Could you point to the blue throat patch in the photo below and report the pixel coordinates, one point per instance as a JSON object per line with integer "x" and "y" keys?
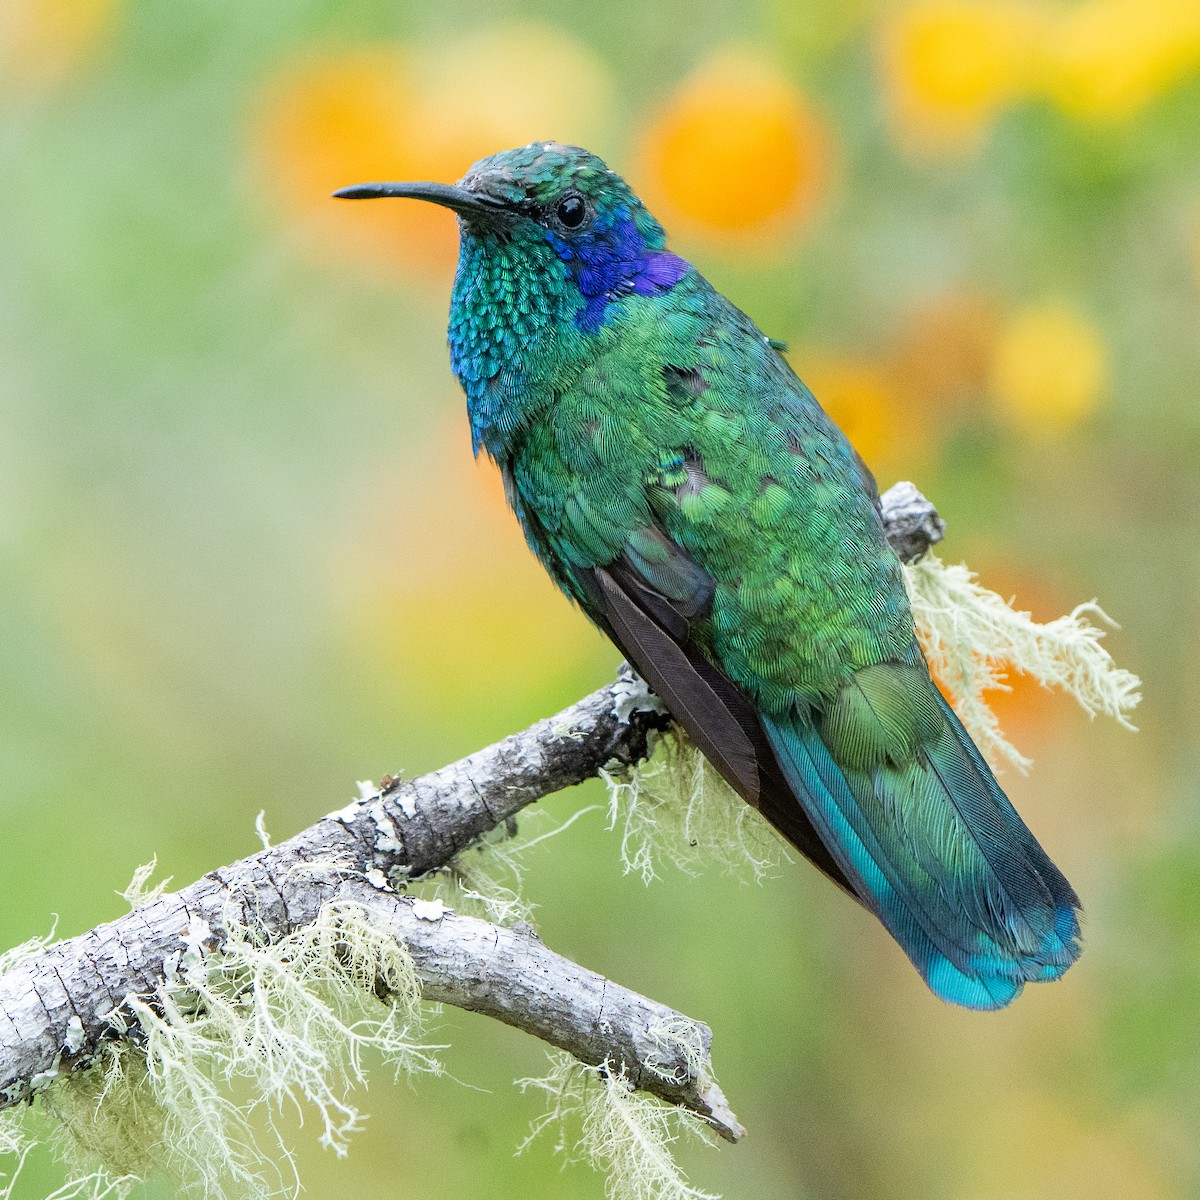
{"x": 613, "y": 260}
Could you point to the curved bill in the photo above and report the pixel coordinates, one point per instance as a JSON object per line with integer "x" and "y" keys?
{"x": 446, "y": 194}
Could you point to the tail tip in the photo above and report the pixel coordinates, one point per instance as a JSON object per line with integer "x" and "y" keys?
{"x": 983, "y": 992}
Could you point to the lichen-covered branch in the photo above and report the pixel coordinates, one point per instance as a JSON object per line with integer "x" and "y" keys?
{"x": 505, "y": 972}
{"x": 63, "y": 1003}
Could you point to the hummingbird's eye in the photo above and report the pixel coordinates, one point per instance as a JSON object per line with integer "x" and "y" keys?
{"x": 571, "y": 211}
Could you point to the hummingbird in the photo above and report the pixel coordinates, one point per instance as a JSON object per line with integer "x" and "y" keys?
{"x": 682, "y": 485}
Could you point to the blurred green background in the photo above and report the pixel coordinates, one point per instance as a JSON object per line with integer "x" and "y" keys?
{"x": 246, "y": 557}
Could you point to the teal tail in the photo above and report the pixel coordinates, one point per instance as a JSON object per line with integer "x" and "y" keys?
{"x": 912, "y": 815}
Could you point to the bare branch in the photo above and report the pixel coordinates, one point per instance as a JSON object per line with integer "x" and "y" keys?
{"x": 912, "y": 523}
{"x": 57, "y": 1008}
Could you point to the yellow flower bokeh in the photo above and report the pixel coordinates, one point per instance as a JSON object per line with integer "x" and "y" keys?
{"x": 951, "y": 66}
{"x": 419, "y": 112}
{"x": 1042, "y": 370}
{"x": 735, "y": 153}
{"x": 1050, "y": 369}
{"x": 1109, "y": 58}
{"x": 42, "y": 41}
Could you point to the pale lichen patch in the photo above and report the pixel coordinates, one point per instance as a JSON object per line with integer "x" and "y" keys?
{"x": 385, "y": 832}
{"x": 972, "y": 638}
{"x": 429, "y": 910}
{"x": 631, "y": 694}
{"x": 597, "y": 1116}
{"x": 347, "y": 815}
{"x": 75, "y": 1035}
{"x": 293, "y": 1021}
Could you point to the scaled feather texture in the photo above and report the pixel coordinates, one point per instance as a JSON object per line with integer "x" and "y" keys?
{"x": 674, "y": 808}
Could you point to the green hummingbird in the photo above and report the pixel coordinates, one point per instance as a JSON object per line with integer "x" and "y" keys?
{"x": 683, "y": 486}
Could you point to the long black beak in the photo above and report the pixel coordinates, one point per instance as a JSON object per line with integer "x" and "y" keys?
{"x": 446, "y": 194}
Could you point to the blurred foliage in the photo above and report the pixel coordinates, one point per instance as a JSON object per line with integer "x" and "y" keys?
{"x": 246, "y": 559}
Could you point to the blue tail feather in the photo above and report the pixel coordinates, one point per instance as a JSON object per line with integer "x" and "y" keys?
{"x": 936, "y": 850}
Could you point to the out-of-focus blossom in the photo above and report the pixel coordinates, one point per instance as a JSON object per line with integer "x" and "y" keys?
{"x": 419, "y": 112}
{"x": 951, "y": 66}
{"x": 1028, "y": 712}
{"x": 42, "y": 41}
{"x": 341, "y": 119}
{"x": 1050, "y": 369}
{"x": 736, "y": 153}
{"x": 941, "y": 355}
{"x": 897, "y": 407}
{"x": 511, "y": 85}
{"x": 860, "y": 397}
{"x": 1109, "y": 58}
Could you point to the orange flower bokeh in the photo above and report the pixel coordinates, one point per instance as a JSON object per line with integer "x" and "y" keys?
{"x": 897, "y": 406}
{"x": 859, "y": 396}
{"x": 736, "y": 153}
{"x": 941, "y": 354}
{"x": 418, "y": 112}
{"x": 1029, "y": 713}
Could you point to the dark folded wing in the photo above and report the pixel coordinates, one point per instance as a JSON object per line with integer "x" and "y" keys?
{"x": 646, "y": 600}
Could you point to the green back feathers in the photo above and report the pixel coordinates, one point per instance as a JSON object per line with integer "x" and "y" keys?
{"x": 883, "y": 716}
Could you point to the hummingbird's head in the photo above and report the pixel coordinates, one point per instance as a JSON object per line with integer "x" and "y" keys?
{"x": 553, "y": 210}
{"x": 567, "y": 192}
{"x": 555, "y": 250}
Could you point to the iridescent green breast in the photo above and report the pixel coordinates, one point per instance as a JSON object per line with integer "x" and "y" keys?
{"x": 696, "y": 425}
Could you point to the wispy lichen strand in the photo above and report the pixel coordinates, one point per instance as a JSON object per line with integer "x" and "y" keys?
{"x": 973, "y": 638}
{"x": 674, "y": 807}
{"x": 596, "y": 1116}
{"x": 240, "y": 1033}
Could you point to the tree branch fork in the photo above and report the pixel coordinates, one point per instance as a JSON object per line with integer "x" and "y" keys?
{"x": 60, "y": 1007}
